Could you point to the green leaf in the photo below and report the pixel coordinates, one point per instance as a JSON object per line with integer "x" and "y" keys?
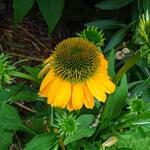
{"x": 42, "y": 142}
{"x": 146, "y": 6}
{"x": 106, "y": 24}
{"x": 130, "y": 62}
{"x": 6, "y": 139}
{"x": 113, "y": 4}
{"x": 24, "y": 76}
{"x": 132, "y": 140}
{"x": 21, "y": 8}
{"x": 111, "y": 64}
{"x": 9, "y": 118}
{"x": 142, "y": 90}
{"x": 33, "y": 71}
{"x": 7, "y": 94}
{"x": 115, "y": 103}
{"x": 75, "y": 145}
{"x": 84, "y": 129}
{"x": 89, "y": 146}
{"x": 37, "y": 124}
{"x": 26, "y": 95}
{"x": 116, "y": 39}
{"x": 51, "y": 11}
{"x": 142, "y": 119}
{"x": 19, "y": 92}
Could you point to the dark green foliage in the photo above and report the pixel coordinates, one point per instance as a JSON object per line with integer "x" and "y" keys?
{"x": 51, "y": 10}
{"x": 27, "y": 121}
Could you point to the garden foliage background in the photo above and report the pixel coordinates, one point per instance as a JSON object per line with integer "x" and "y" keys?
{"x": 29, "y": 31}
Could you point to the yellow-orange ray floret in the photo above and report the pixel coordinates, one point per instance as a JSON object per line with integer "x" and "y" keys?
{"x": 89, "y": 98}
{"x": 77, "y": 95}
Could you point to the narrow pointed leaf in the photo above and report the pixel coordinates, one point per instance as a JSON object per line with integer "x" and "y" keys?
{"x": 51, "y": 11}
{"x": 113, "y": 4}
{"x": 116, "y": 39}
{"x": 21, "y": 8}
{"x": 106, "y": 24}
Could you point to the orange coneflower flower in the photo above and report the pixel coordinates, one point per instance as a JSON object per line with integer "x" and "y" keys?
{"x": 77, "y": 73}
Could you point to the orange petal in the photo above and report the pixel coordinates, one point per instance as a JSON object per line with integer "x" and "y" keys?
{"x": 106, "y": 83}
{"x": 89, "y": 98}
{"x": 53, "y": 87}
{"x": 77, "y": 95}
{"x": 103, "y": 62}
{"x": 63, "y": 94}
{"x": 48, "y": 78}
{"x": 69, "y": 105}
{"x": 96, "y": 90}
{"x": 46, "y": 83}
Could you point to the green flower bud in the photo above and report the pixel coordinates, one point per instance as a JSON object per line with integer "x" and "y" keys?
{"x": 94, "y": 35}
{"x": 66, "y": 124}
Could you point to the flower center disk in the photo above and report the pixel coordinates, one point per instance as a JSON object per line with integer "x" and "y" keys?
{"x": 75, "y": 60}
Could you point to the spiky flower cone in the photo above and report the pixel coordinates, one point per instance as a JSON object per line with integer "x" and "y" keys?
{"x": 77, "y": 74}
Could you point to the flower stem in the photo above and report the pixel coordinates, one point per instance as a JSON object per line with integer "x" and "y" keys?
{"x": 52, "y": 116}
{"x": 61, "y": 143}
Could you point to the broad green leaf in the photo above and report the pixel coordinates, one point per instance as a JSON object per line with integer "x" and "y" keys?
{"x": 115, "y": 103}
{"x": 83, "y": 130}
{"x": 21, "y": 8}
{"x": 89, "y": 146}
{"x": 37, "y": 124}
{"x": 26, "y": 95}
{"x": 6, "y": 95}
{"x": 116, "y": 39}
{"x": 6, "y": 139}
{"x": 111, "y": 64}
{"x": 51, "y": 11}
{"x": 113, "y": 4}
{"x": 42, "y": 142}
{"x": 9, "y": 118}
{"x": 75, "y": 145}
{"x": 19, "y": 92}
{"x": 106, "y": 24}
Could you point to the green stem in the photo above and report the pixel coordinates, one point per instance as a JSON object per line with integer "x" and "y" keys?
{"x": 52, "y": 116}
{"x": 131, "y": 61}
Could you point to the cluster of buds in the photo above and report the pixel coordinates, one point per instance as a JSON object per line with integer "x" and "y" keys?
{"x": 143, "y": 36}
{"x": 6, "y": 70}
